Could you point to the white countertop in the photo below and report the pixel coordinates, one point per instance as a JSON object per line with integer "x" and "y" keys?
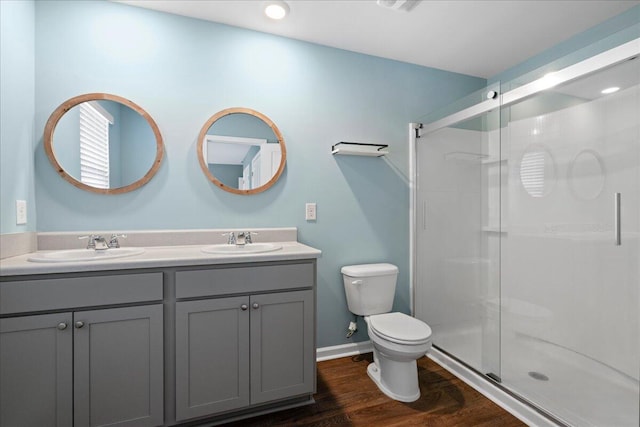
{"x": 156, "y": 257}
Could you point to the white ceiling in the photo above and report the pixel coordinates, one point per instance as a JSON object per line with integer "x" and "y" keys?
{"x": 231, "y": 153}
{"x": 476, "y": 37}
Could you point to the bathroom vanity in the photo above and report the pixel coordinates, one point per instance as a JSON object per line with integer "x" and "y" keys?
{"x": 171, "y": 336}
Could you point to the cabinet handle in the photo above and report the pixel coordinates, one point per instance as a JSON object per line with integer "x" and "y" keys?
{"x": 79, "y": 324}
{"x": 62, "y": 326}
{"x": 256, "y": 305}
{"x": 244, "y": 307}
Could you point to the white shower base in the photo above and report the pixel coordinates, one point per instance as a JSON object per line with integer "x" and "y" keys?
{"x": 577, "y": 390}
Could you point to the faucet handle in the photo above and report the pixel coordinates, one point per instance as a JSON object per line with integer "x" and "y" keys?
{"x": 91, "y": 244}
{"x": 231, "y": 237}
{"x": 113, "y": 241}
{"x": 248, "y": 234}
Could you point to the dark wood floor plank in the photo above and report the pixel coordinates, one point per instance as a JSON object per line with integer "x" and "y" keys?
{"x": 347, "y": 397}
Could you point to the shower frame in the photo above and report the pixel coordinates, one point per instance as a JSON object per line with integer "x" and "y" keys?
{"x": 503, "y": 396}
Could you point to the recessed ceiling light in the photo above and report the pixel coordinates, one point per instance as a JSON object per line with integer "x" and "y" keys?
{"x": 276, "y": 9}
{"x": 609, "y": 90}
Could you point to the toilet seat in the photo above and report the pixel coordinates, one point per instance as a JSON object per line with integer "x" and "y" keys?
{"x": 400, "y": 328}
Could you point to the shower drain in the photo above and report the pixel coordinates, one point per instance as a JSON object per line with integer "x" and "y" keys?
{"x": 538, "y": 376}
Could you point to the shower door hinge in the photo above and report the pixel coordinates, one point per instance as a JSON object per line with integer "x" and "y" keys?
{"x": 494, "y": 377}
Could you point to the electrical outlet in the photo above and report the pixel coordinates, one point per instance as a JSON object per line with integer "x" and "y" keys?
{"x": 310, "y": 212}
{"x": 21, "y": 212}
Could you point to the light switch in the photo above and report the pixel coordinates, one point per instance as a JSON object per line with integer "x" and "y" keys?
{"x": 21, "y": 212}
{"x": 310, "y": 212}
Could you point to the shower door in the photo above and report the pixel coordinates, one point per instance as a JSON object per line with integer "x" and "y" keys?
{"x": 527, "y": 238}
{"x": 457, "y": 228}
{"x": 570, "y": 260}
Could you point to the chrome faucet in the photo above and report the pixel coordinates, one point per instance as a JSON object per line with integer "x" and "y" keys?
{"x": 96, "y": 242}
{"x": 99, "y": 243}
{"x": 231, "y": 238}
{"x": 239, "y": 238}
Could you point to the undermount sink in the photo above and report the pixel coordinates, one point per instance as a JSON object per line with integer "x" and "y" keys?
{"x": 75, "y": 255}
{"x": 249, "y": 248}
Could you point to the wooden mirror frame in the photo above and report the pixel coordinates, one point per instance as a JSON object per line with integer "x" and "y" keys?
{"x": 57, "y": 114}
{"x": 265, "y": 119}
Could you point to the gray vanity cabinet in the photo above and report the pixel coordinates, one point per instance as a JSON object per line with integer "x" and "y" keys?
{"x": 241, "y": 351}
{"x": 282, "y": 345}
{"x": 118, "y": 367}
{"x": 88, "y": 368}
{"x": 36, "y": 371}
{"x": 82, "y": 367}
{"x": 213, "y": 342}
{"x": 233, "y": 352}
{"x": 212, "y": 356}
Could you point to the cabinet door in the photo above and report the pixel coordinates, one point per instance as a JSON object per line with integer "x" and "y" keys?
{"x": 118, "y": 367}
{"x": 36, "y": 371}
{"x": 212, "y": 356}
{"x": 282, "y": 345}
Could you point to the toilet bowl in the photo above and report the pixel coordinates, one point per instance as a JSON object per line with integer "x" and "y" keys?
{"x": 398, "y": 339}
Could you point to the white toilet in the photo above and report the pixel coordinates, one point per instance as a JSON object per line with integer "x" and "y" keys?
{"x": 398, "y": 340}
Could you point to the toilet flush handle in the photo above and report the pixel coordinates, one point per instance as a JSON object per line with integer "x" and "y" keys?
{"x": 356, "y": 282}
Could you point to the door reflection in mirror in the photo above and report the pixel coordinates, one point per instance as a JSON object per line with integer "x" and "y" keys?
{"x": 242, "y": 163}
{"x": 242, "y": 151}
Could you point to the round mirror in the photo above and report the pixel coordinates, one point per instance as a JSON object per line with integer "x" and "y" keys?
{"x": 241, "y": 151}
{"x": 537, "y": 171}
{"x": 103, "y": 143}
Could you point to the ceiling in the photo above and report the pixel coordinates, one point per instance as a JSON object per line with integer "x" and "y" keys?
{"x": 227, "y": 153}
{"x": 475, "y": 37}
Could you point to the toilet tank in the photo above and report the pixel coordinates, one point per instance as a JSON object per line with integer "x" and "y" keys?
{"x": 370, "y": 288}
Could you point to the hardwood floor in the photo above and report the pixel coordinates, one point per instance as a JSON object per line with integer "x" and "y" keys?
{"x": 347, "y": 397}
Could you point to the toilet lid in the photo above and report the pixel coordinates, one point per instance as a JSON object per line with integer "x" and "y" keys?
{"x": 399, "y": 327}
{"x": 368, "y": 270}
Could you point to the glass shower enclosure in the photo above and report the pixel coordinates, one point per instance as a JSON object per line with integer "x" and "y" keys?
{"x": 527, "y": 237}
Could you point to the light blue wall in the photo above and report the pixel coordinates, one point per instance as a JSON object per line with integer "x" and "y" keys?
{"x": 604, "y": 36}
{"x": 242, "y": 125}
{"x": 115, "y": 143}
{"x": 66, "y": 142}
{"x": 17, "y": 58}
{"x": 182, "y": 71}
{"x": 226, "y": 174}
{"x": 137, "y": 145}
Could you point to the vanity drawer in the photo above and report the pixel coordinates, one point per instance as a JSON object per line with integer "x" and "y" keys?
{"x": 72, "y": 292}
{"x": 234, "y": 280}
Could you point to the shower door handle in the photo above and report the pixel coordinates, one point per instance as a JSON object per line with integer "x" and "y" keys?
{"x": 617, "y": 216}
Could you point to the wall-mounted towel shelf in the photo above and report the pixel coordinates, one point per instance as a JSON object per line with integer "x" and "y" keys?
{"x": 359, "y": 149}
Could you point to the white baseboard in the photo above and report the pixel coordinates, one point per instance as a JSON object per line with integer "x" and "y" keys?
{"x": 343, "y": 350}
{"x": 509, "y": 403}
